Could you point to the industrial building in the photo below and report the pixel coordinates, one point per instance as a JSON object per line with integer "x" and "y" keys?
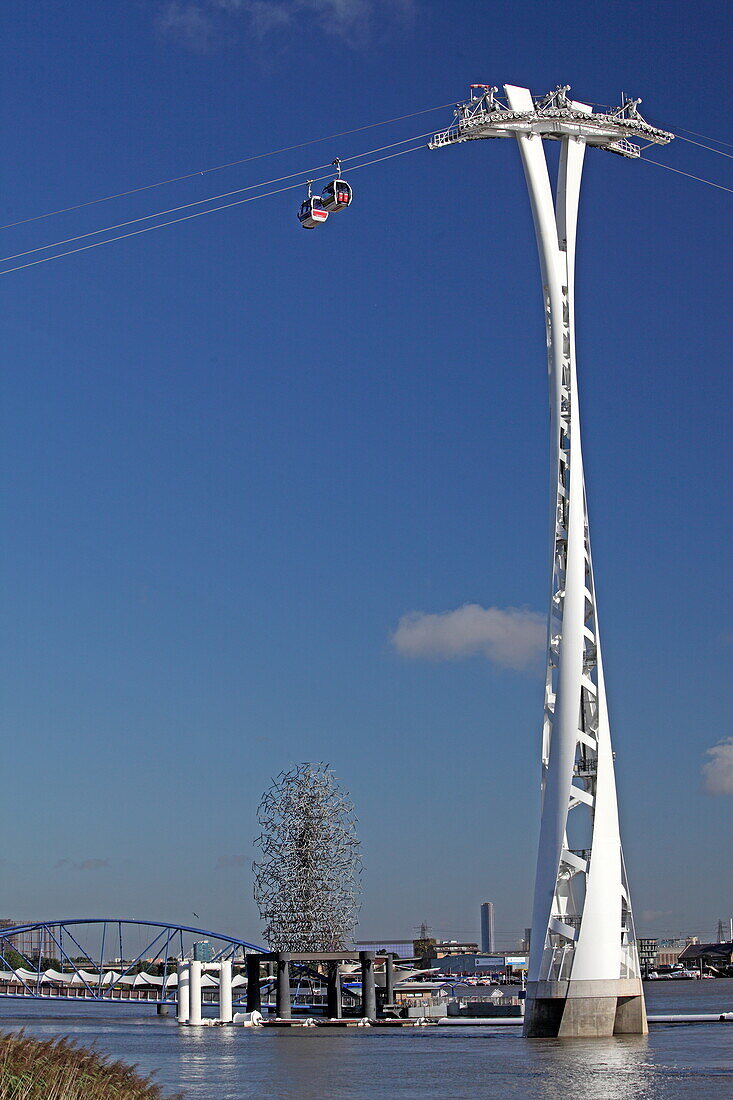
{"x": 709, "y": 956}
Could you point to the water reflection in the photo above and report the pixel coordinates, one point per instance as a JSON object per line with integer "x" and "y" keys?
{"x": 596, "y": 1069}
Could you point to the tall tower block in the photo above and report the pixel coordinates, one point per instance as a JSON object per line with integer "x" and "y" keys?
{"x": 584, "y": 976}
{"x": 488, "y": 935}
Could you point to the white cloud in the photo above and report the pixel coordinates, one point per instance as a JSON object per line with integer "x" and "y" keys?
{"x": 652, "y": 915}
{"x": 190, "y": 21}
{"x": 200, "y": 22}
{"x": 512, "y": 637}
{"x": 718, "y": 771}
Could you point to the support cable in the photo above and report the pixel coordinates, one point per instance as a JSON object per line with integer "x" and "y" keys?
{"x": 201, "y": 202}
{"x": 700, "y": 145}
{"x": 706, "y": 137}
{"x": 720, "y": 186}
{"x": 221, "y": 167}
{"x": 197, "y": 214}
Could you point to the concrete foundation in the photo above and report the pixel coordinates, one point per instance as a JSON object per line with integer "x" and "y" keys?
{"x": 631, "y": 1016}
{"x": 585, "y": 1009}
{"x": 587, "y": 1017}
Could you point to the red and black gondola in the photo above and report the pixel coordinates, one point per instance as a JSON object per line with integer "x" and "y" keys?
{"x": 337, "y": 194}
{"x": 312, "y": 211}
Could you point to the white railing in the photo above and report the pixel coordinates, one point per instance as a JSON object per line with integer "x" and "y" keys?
{"x": 444, "y": 137}
{"x": 624, "y": 148}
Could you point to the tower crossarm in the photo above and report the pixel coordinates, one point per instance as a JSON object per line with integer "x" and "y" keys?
{"x": 554, "y": 116}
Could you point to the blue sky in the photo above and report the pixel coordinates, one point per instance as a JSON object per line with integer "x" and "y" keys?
{"x": 236, "y": 454}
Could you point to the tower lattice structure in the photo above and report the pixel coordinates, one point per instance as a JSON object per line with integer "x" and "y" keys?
{"x": 584, "y": 976}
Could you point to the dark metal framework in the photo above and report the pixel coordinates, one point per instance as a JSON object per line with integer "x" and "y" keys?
{"x": 306, "y": 883}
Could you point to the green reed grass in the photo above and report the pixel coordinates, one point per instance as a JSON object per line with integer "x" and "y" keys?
{"x": 57, "y": 1069}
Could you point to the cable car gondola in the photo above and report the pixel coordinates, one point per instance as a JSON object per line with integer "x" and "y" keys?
{"x": 312, "y": 212}
{"x": 337, "y": 194}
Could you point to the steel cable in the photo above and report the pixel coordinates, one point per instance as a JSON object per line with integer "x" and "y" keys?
{"x": 221, "y": 167}
{"x": 197, "y": 214}
{"x": 303, "y": 173}
{"x": 710, "y": 183}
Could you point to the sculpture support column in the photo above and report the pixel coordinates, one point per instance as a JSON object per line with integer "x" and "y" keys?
{"x": 333, "y": 990}
{"x": 254, "y": 998}
{"x": 282, "y": 993}
{"x": 368, "y": 986}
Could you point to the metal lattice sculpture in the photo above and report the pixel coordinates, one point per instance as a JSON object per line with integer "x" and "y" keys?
{"x": 306, "y": 885}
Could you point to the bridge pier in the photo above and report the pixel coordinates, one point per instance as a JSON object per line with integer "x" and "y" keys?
{"x": 184, "y": 1001}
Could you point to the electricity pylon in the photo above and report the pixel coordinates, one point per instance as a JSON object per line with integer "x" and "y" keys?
{"x": 584, "y": 975}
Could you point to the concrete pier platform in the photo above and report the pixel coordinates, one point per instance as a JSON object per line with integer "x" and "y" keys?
{"x": 578, "y": 1009}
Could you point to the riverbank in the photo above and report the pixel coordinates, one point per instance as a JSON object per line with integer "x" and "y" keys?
{"x": 57, "y": 1069}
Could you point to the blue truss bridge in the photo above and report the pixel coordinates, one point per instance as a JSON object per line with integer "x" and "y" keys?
{"x": 111, "y": 960}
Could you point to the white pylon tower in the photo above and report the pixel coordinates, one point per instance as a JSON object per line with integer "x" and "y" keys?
{"x": 584, "y": 976}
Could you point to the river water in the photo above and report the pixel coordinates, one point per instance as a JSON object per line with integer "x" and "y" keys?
{"x": 674, "y": 1062}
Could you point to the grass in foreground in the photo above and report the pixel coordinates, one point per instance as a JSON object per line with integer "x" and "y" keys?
{"x": 57, "y": 1069}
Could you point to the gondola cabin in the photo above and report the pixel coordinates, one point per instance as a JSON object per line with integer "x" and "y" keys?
{"x": 312, "y": 212}
{"x": 336, "y": 195}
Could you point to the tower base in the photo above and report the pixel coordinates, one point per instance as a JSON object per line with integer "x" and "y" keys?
{"x": 585, "y": 1009}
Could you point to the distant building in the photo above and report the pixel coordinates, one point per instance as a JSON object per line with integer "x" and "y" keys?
{"x": 402, "y": 948}
{"x": 647, "y": 954}
{"x": 527, "y": 941}
{"x": 470, "y": 963}
{"x": 714, "y": 956}
{"x": 35, "y": 943}
{"x": 669, "y": 951}
{"x": 488, "y": 936}
{"x": 517, "y": 963}
{"x": 203, "y": 951}
{"x": 444, "y": 948}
